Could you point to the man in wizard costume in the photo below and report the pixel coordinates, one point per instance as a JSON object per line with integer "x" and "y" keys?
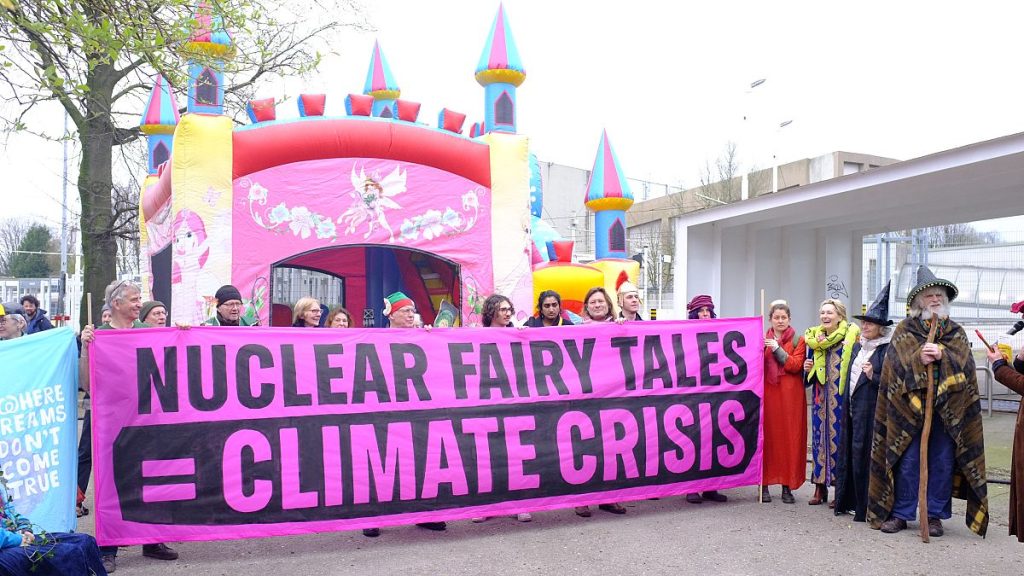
{"x": 956, "y": 447}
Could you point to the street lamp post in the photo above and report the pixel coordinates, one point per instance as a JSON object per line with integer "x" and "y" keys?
{"x": 775, "y": 160}
{"x": 744, "y": 176}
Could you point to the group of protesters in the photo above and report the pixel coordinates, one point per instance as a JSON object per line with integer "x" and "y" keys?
{"x": 870, "y": 385}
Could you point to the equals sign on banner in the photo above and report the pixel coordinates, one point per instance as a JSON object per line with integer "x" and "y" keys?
{"x": 164, "y": 480}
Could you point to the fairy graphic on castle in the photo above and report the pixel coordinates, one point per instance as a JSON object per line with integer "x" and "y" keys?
{"x": 371, "y": 197}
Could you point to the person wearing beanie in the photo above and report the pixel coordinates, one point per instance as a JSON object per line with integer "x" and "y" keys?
{"x": 230, "y": 309}
{"x": 154, "y": 313}
{"x": 400, "y": 310}
{"x": 105, "y": 314}
{"x": 702, "y": 308}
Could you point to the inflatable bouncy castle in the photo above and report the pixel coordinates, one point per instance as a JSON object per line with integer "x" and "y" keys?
{"x": 351, "y": 208}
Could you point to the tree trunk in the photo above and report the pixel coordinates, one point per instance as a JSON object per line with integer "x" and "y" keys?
{"x": 95, "y": 186}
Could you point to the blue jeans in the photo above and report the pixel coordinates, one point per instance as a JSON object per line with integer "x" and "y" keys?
{"x": 941, "y": 450}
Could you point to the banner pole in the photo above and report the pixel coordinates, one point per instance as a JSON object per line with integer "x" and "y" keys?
{"x": 760, "y": 484}
{"x": 88, "y": 307}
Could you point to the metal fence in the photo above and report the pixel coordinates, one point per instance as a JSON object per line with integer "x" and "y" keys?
{"x": 986, "y": 266}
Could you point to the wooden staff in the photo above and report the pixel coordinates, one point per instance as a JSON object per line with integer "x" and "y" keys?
{"x": 88, "y": 307}
{"x": 922, "y": 486}
{"x": 760, "y": 484}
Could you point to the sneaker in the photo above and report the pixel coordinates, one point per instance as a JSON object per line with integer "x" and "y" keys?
{"x": 935, "y": 527}
{"x": 583, "y": 511}
{"x": 787, "y": 496}
{"x": 714, "y": 496}
{"x": 524, "y": 517}
{"x": 694, "y": 498}
{"x": 480, "y": 519}
{"x": 766, "y": 496}
{"x": 159, "y": 552}
{"x": 435, "y": 526}
{"x": 894, "y": 525}
{"x": 371, "y": 532}
{"x": 109, "y": 563}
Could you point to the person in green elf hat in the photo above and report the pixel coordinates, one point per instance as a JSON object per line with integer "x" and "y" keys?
{"x": 400, "y": 311}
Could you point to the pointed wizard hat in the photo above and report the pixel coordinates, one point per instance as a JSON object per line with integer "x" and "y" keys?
{"x": 878, "y": 312}
{"x": 926, "y": 279}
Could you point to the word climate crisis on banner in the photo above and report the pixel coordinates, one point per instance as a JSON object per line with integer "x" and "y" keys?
{"x": 344, "y": 429}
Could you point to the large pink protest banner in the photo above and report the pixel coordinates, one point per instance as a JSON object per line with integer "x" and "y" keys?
{"x": 216, "y": 432}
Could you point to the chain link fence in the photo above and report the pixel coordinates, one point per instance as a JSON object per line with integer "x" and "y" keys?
{"x": 987, "y": 268}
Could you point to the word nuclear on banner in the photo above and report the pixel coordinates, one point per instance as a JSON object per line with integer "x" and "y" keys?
{"x": 39, "y": 427}
{"x": 223, "y": 433}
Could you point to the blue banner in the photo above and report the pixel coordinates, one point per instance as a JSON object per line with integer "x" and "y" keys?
{"x": 39, "y": 427}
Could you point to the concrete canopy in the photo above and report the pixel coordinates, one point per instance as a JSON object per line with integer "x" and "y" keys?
{"x": 804, "y": 244}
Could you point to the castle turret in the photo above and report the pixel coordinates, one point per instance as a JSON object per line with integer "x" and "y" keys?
{"x": 608, "y": 196}
{"x": 380, "y": 84}
{"x": 158, "y": 122}
{"x": 500, "y": 72}
{"x": 211, "y": 44}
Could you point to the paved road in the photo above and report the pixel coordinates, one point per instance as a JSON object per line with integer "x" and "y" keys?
{"x": 665, "y": 536}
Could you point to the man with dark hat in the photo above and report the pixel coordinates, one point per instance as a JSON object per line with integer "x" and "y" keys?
{"x": 229, "y": 309}
{"x": 154, "y": 314}
{"x": 858, "y": 418}
{"x": 928, "y": 349}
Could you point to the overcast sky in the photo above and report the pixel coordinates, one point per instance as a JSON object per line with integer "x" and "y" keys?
{"x": 670, "y": 81}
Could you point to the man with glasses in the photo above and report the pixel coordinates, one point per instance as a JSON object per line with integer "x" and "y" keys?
{"x": 229, "y": 309}
{"x": 125, "y": 301}
{"x": 401, "y": 313}
{"x": 11, "y": 325}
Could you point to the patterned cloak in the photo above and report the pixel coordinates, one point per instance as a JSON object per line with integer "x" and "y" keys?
{"x": 899, "y": 417}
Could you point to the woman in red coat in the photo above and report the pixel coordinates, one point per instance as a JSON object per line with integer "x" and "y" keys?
{"x": 785, "y": 406}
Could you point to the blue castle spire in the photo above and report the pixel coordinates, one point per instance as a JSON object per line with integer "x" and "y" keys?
{"x": 158, "y": 123}
{"x": 380, "y": 83}
{"x": 608, "y": 196}
{"x": 212, "y": 43}
{"x": 500, "y": 72}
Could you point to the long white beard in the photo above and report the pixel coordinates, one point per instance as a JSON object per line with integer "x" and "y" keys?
{"x": 942, "y": 312}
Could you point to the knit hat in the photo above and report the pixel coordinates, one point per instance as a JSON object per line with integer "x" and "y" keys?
{"x": 1016, "y": 308}
{"x": 701, "y": 301}
{"x": 148, "y": 307}
{"x": 623, "y": 285}
{"x": 878, "y": 312}
{"x": 227, "y": 293}
{"x": 926, "y": 279}
{"x": 396, "y": 302}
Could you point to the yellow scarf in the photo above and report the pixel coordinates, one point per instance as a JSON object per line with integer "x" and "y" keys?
{"x": 847, "y": 334}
